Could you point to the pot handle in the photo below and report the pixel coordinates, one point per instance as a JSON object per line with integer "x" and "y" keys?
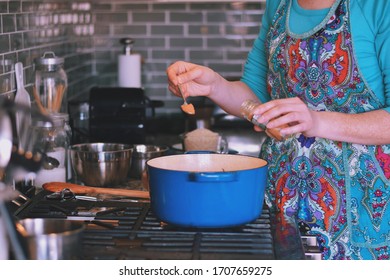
{"x": 213, "y": 176}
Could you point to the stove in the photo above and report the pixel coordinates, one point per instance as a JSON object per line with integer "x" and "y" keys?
{"x": 129, "y": 230}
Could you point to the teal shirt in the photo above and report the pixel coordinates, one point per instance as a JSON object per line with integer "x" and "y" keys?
{"x": 370, "y": 27}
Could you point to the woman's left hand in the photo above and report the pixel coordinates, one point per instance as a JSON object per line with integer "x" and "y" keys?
{"x": 290, "y": 113}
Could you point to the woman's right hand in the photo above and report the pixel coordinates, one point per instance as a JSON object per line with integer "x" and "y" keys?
{"x": 197, "y": 80}
{"x": 194, "y": 80}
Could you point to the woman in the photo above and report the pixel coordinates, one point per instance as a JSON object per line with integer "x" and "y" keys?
{"x": 322, "y": 69}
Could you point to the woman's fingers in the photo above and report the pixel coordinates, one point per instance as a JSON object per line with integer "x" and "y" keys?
{"x": 194, "y": 80}
{"x": 172, "y": 88}
{"x": 275, "y": 108}
{"x": 291, "y": 114}
{"x": 177, "y": 69}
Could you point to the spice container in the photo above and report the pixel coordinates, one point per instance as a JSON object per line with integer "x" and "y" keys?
{"x": 54, "y": 139}
{"x": 247, "y": 108}
{"x": 50, "y": 84}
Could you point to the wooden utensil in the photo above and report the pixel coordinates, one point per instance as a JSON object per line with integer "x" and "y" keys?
{"x": 187, "y": 108}
{"x": 42, "y": 109}
{"x": 79, "y": 189}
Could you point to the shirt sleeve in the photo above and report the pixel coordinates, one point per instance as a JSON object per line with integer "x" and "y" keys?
{"x": 256, "y": 66}
{"x": 377, "y": 16}
{"x": 382, "y": 43}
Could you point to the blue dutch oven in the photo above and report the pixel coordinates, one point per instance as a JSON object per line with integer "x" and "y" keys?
{"x": 207, "y": 190}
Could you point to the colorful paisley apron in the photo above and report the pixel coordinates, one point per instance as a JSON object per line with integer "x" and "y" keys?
{"x": 339, "y": 191}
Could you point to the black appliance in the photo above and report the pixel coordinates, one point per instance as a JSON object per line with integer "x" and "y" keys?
{"x": 117, "y": 115}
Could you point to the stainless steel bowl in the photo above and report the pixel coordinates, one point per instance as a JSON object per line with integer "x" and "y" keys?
{"x": 101, "y": 164}
{"x": 51, "y": 239}
{"x": 141, "y": 154}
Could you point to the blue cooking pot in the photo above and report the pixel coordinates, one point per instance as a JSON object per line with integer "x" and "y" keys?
{"x": 207, "y": 190}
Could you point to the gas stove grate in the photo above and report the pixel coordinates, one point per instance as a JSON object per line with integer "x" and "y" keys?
{"x": 135, "y": 233}
{"x": 121, "y": 230}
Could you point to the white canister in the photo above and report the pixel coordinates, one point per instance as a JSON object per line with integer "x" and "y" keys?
{"x": 129, "y": 66}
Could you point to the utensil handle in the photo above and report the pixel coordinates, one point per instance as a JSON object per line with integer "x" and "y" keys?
{"x": 19, "y": 75}
{"x": 213, "y": 177}
{"x": 79, "y": 189}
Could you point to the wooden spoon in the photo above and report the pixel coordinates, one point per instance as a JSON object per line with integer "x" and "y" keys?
{"x": 79, "y": 189}
{"x": 187, "y": 108}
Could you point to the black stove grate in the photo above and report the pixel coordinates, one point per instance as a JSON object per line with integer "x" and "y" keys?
{"x": 120, "y": 230}
{"x": 139, "y": 234}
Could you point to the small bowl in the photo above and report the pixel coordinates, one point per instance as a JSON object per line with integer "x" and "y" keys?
{"x": 141, "y": 154}
{"x": 101, "y": 164}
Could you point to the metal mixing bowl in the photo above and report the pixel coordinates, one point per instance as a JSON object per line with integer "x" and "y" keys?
{"x": 101, "y": 164}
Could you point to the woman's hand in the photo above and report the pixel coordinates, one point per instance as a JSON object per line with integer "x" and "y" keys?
{"x": 194, "y": 80}
{"x": 197, "y": 80}
{"x": 292, "y": 113}
{"x": 369, "y": 128}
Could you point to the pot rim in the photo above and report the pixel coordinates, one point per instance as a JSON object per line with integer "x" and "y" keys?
{"x": 77, "y": 227}
{"x": 146, "y": 152}
{"x": 154, "y": 162}
{"x": 121, "y": 147}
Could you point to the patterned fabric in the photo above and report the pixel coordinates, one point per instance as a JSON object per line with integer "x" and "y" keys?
{"x": 340, "y": 191}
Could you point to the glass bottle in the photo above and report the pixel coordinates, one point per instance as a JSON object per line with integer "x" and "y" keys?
{"x": 54, "y": 139}
{"x": 247, "y": 108}
{"x": 50, "y": 85}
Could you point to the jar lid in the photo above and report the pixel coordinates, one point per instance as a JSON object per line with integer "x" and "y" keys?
{"x": 128, "y": 45}
{"x": 49, "y": 58}
{"x": 126, "y": 41}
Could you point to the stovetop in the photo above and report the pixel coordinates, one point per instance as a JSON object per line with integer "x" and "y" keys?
{"x": 130, "y": 230}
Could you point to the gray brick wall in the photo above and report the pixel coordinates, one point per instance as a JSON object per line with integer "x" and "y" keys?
{"x": 29, "y": 28}
{"x": 87, "y": 33}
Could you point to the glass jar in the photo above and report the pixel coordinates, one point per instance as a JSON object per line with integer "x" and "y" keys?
{"x": 50, "y": 85}
{"x": 247, "y": 108}
{"x": 54, "y": 139}
{"x": 7, "y": 80}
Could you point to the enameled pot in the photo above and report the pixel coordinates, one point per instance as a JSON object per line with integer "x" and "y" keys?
{"x": 207, "y": 190}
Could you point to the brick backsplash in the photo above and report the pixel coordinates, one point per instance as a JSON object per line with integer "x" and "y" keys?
{"x": 87, "y": 34}
{"x": 30, "y": 28}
